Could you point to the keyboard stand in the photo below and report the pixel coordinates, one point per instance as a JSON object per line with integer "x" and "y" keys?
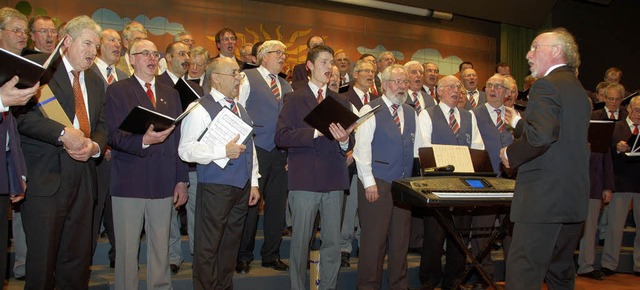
{"x": 473, "y": 261}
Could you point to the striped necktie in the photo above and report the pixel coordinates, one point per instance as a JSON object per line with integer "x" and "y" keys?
{"x": 472, "y": 100}
{"x": 499, "y": 122}
{"x": 274, "y": 87}
{"x": 110, "y": 77}
{"x": 453, "y": 123}
{"x": 416, "y": 101}
{"x": 232, "y": 105}
{"x": 394, "y": 115}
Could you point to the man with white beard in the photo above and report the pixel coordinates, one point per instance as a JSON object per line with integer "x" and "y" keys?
{"x": 384, "y": 152}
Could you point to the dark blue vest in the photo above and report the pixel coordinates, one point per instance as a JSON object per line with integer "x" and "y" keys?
{"x": 493, "y": 139}
{"x": 263, "y": 108}
{"x": 442, "y": 134}
{"x": 392, "y": 152}
{"x": 238, "y": 171}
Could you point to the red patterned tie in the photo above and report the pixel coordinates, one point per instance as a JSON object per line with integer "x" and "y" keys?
{"x": 612, "y": 116}
{"x": 499, "y": 122}
{"x": 365, "y": 99}
{"x": 319, "y": 97}
{"x": 110, "y": 77}
{"x": 472, "y": 100}
{"x": 635, "y": 129}
{"x": 274, "y": 87}
{"x": 431, "y": 92}
{"x": 232, "y": 105}
{"x": 152, "y": 98}
{"x": 81, "y": 110}
{"x": 395, "y": 116}
{"x": 452, "y": 122}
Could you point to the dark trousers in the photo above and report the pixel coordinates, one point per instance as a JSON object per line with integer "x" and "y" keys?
{"x": 431, "y": 272}
{"x": 273, "y": 188}
{"x": 220, "y": 214}
{"x": 382, "y": 221}
{"x": 102, "y": 212}
{"x": 542, "y": 252}
{"x": 58, "y": 231}
{"x": 4, "y": 236}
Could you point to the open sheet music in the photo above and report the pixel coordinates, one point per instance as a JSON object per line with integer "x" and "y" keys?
{"x": 458, "y": 156}
{"x": 222, "y": 129}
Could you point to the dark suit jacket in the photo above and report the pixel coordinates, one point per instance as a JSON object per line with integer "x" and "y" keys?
{"x": 136, "y": 172}
{"x": 120, "y": 74}
{"x": 39, "y": 135}
{"x": 601, "y": 114}
{"x": 551, "y": 152}
{"x": 314, "y": 164}
{"x": 206, "y": 86}
{"x": 355, "y": 100}
{"x": 300, "y": 72}
{"x": 13, "y": 166}
{"x": 625, "y": 168}
{"x": 166, "y": 79}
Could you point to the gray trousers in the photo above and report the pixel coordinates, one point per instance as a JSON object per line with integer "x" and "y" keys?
{"x": 618, "y": 210}
{"x": 129, "y": 215}
{"x": 304, "y": 206}
{"x": 586, "y": 257}
{"x": 175, "y": 239}
{"x": 350, "y": 221}
{"x": 19, "y": 245}
{"x": 191, "y": 207}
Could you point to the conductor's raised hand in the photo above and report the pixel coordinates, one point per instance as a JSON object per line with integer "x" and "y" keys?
{"x": 152, "y": 137}
{"x": 234, "y": 150}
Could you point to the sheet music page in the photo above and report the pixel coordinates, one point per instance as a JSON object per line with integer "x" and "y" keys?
{"x": 455, "y": 155}
{"x": 222, "y": 129}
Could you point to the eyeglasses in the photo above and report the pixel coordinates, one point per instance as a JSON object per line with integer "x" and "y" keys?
{"x": 535, "y": 46}
{"x": 47, "y": 31}
{"x": 147, "y": 53}
{"x": 17, "y": 31}
{"x": 229, "y": 39}
{"x": 399, "y": 82}
{"x": 278, "y": 53}
{"x": 452, "y": 87}
{"x": 495, "y": 86}
{"x": 235, "y": 74}
{"x": 367, "y": 71}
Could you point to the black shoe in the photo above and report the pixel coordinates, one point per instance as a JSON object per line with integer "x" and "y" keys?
{"x": 243, "y": 267}
{"x": 636, "y": 273}
{"x": 21, "y": 278}
{"x": 344, "y": 260}
{"x": 174, "y": 268}
{"x": 277, "y": 265}
{"x": 606, "y": 271}
{"x": 112, "y": 264}
{"x": 595, "y": 274}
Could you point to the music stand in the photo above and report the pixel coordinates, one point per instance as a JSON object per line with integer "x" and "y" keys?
{"x": 482, "y": 167}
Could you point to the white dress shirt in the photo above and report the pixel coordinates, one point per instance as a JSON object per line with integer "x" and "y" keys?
{"x": 427, "y": 127}
{"x": 364, "y": 137}
{"x": 192, "y": 150}
{"x": 102, "y": 67}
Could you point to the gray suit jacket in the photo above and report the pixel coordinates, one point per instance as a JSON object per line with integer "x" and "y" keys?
{"x": 482, "y": 98}
{"x": 552, "y": 153}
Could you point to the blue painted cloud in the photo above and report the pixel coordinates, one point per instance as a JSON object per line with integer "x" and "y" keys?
{"x": 156, "y": 25}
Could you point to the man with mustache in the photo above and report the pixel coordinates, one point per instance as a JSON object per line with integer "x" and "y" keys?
{"x": 44, "y": 34}
{"x": 104, "y": 66}
{"x": 58, "y": 212}
{"x": 317, "y": 172}
{"x": 148, "y": 179}
{"x": 445, "y": 124}
{"x": 262, "y": 94}
{"x": 224, "y": 194}
{"x": 384, "y": 151}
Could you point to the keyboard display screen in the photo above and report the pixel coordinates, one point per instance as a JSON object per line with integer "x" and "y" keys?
{"x": 474, "y": 183}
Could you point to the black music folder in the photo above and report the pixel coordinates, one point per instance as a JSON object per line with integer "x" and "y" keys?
{"x": 187, "y": 94}
{"x": 600, "y": 135}
{"x": 331, "y": 111}
{"x": 28, "y": 71}
{"x": 140, "y": 118}
{"x": 598, "y": 106}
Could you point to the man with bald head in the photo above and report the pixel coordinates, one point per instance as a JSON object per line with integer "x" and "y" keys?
{"x": 224, "y": 194}
{"x": 148, "y": 179}
{"x": 262, "y": 94}
{"x": 384, "y": 151}
{"x": 445, "y": 124}
{"x": 43, "y": 33}
{"x": 61, "y": 174}
{"x": 551, "y": 154}
{"x": 475, "y": 97}
{"x": 416, "y": 98}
